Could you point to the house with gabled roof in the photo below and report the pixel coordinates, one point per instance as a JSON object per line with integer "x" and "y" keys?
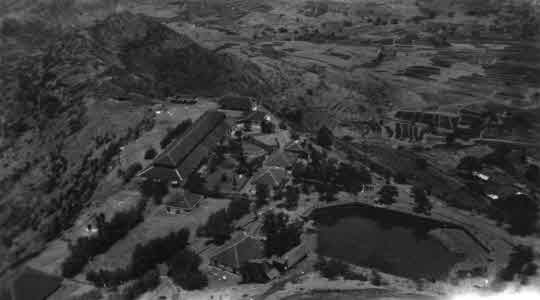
{"x": 238, "y": 103}
{"x": 185, "y": 155}
{"x": 181, "y": 201}
{"x": 32, "y": 284}
{"x": 280, "y": 159}
{"x": 232, "y": 256}
{"x": 296, "y": 146}
{"x": 293, "y": 256}
{"x": 270, "y": 176}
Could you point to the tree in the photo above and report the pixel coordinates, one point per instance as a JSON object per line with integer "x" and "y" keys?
{"x": 521, "y": 263}
{"x": 331, "y": 268}
{"x": 533, "y": 173}
{"x": 292, "y": 195}
{"x": 280, "y": 236}
{"x": 218, "y": 227}
{"x": 387, "y": 193}
{"x": 470, "y": 164}
{"x": 422, "y": 203}
{"x": 150, "y": 153}
{"x": 352, "y": 178}
{"x": 131, "y": 171}
{"x": 184, "y": 270}
{"x": 262, "y": 192}
{"x": 267, "y": 127}
{"x": 520, "y": 211}
{"x": 155, "y": 189}
{"x": 400, "y": 177}
{"x": 238, "y": 208}
{"x": 421, "y": 163}
{"x": 149, "y": 281}
{"x": 328, "y": 191}
{"x": 195, "y": 183}
{"x": 325, "y": 137}
{"x": 376, "y": 278}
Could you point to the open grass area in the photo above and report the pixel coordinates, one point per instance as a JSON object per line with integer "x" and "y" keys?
{"x": 158, "y": 224}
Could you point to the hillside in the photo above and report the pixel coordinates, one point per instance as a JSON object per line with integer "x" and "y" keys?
{"x": 72, "y": 102}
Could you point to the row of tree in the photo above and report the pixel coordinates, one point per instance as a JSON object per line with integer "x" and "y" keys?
{"x": 422, "y": 204}
{"x": 108, "y": 233}
{"x": 146, "y": 257}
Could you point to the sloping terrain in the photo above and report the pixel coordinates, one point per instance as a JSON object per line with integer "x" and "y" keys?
{"x": 71, "y": 103}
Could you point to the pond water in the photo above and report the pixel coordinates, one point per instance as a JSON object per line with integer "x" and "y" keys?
{"x": 391, "y": 242}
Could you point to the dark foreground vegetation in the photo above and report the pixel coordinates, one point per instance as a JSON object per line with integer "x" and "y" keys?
{"x": 171, "y": 249}
{"x": 85, "y": 248}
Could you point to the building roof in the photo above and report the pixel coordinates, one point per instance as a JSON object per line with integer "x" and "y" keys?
{"x": 280, "y": 159}
{"x": 271, "y": 176}
{"x": 242, "y": 103}
{"x": 31, "y": 284}
{"x": 179, "y": 150}
{"x": 239, "y": 252}
{"x": 295, "y": 146}
{"x": 183, "y": 199}
{"x": 295, "y": 255}
{"x": 254, "y": 116}
{"x": 184, "y": 155}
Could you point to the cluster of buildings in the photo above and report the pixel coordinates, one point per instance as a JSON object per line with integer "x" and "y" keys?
{"x": 273, "y": 151}
{"x": 434, "y": 127}
{"x": 240, "y": 120}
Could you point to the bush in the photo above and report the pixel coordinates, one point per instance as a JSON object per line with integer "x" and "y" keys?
{"x": 131, "y": 171}
{"x": 175, "y": 133}
{"x": 150, "y": 153}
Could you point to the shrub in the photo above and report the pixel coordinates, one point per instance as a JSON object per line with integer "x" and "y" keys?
{"x": 150, "y": 153}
